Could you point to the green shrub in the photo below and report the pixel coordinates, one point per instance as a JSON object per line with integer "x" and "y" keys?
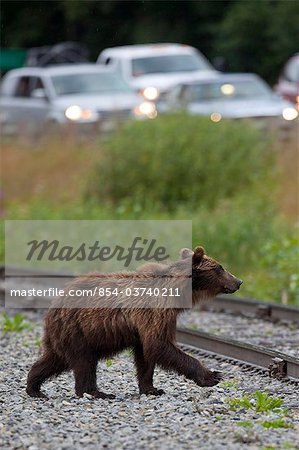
{"x": 180, "y": 159}
{"x": 236, "y": 230}
{"x": 277, "y": 272}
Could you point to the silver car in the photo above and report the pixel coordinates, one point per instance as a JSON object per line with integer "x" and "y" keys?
{"x": 288, "y": 83}
{"x": 153, "y": 69}
{"x": 86, "y": 96}
{"x": 235, "y": 96}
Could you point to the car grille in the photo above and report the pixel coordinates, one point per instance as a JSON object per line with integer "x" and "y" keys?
{"x": 120, "y": 114}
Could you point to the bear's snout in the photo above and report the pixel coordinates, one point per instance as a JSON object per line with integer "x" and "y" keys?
{"x": 240, "y": 282}
{"x": 232, "y": 285}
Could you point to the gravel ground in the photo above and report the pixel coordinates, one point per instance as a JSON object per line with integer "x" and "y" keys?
{"x": 280, "y": 337}
{"x": 187, "y": 417}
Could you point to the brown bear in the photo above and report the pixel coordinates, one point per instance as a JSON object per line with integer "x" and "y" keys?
{"x": 77, "y": 338}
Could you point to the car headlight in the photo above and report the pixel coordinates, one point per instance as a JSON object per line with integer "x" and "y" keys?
{"x": 289, "y": 113}
{"x": 150, "y": 93}
{"x": 76, "y": 113}
{"x": 215, "y": 117}
{"x": 146, "y": 109}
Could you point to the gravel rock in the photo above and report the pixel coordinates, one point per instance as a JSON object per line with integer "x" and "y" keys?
{"x": 187, "y": 417}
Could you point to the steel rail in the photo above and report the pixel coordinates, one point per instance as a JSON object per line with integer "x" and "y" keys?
{"x": 264, "y": 310}
{"x": 278, "y": 364}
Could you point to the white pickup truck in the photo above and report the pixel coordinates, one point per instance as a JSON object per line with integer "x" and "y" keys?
{"x": 153, "y": 69}
{"x": 86, "y": 96}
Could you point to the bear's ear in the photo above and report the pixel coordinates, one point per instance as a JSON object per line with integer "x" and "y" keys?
{"x": 199, "y": 252}
{"x": 186, "y": 253}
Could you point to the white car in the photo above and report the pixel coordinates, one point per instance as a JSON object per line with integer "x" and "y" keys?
{"x": 153, "y": 69}
{"x": 288, "y": 83}
{"x": 88, "y": 96}
{"x": 235, "y": 96}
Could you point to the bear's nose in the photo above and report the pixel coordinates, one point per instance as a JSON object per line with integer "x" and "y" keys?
{"x": 239, "y": 283}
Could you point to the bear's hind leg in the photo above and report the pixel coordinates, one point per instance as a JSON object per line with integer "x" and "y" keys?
{"x": 50, "y": 365}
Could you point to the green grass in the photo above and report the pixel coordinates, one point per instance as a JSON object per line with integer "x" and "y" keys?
{"x": 275, "y": 423}
{"x": 288, "y": 445}
{"x": 245, "y": 423}
{"x": 229, "y": 384}
{"x": 264, "y": 403}
{"x": 38, "y": 342}
{"x": 260, "y": 402}
{"x": 14, "y": 324}
{"x": 278, "y": 423}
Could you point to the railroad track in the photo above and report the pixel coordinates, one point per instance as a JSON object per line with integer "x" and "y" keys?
{"x": 258, "y": 308}
{"x": 277, "y": 364}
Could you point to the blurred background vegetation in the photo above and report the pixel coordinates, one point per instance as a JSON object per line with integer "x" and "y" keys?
{"x": 252, "y": 35}
{"x": 238, "y": 185}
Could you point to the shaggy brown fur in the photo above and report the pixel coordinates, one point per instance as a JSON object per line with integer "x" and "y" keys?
{"x": 76, "y": 338}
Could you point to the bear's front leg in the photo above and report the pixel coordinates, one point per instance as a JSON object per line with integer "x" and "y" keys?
{"x": 145, "y": 372}
{"x": 170, "y": 357}
{"x": 84, "y": 368}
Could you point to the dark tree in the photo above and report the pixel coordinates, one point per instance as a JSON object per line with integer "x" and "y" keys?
{"x": 252, "y": 35}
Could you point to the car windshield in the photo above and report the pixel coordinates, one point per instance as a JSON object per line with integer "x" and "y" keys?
{"x": 235, "y": 90}
{"x": 88, "y": 83}
{"x": 168, "y": 64}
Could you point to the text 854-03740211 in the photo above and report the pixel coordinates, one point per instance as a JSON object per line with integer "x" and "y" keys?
{"x": 139, "y": 292}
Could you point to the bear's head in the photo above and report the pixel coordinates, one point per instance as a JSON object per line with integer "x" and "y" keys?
{"x": 208, "y": 275}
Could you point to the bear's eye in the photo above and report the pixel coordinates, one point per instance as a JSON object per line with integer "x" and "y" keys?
{"x": 219, "y": 269}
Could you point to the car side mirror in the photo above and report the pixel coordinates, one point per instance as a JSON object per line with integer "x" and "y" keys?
{"x": 39, "y": 93}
